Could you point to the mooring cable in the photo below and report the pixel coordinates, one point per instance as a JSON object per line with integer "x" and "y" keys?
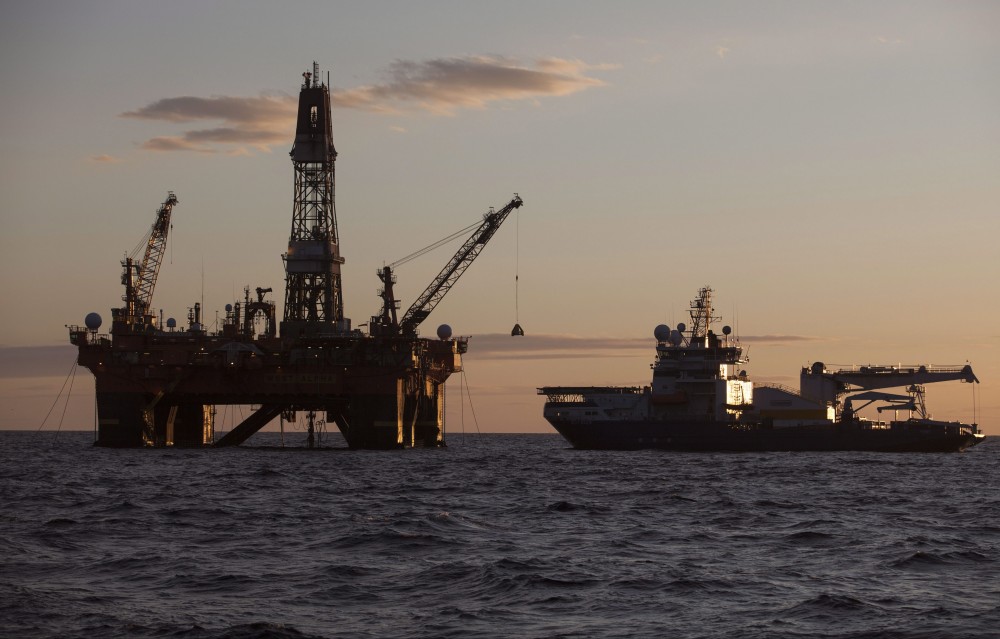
{"x": 468, "y": 391}
{"x": 69, "y": 395}
{"x": 72, "y": 372}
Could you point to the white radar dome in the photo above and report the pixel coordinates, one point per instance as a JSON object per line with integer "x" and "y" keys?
{"x": 682, "y": 327}
{"x": 229, "y": 308}
{"x": 661, "y": 333}
{"x": 93, "y": 321}
{"x": 726, "y": 330}
{"x": 444, "y": 332}
{"x": 675, "y": 337}
{"x": 171, "y": 323}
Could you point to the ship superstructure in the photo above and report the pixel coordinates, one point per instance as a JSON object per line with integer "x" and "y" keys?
{"x": 158, "y": 384}
{"x": 701, "y": 398}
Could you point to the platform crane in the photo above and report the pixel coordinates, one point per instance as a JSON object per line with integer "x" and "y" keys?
{"x": 140, "y": 279}
{"x": 387, "y": 323}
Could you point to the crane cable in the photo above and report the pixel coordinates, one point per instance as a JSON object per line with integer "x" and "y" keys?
{"x": 439, "y": 243}
{"x": 517, "y": 330}
{"x": 141, "y": 245}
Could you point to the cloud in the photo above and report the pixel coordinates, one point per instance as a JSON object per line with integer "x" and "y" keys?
{"x": 173, "y": 143}
{"x": 236, "y": 135}
{"x": 722, "y": 52}
{"x": 104, "y": 159}
{"x": 779, "y": 339}
{"x": 256, "y": 121}
{"x": 441, "y": 86}
{"x": 444, "y": 85}
{"x": 37, "y": 361}
{"x": 501, "y": 346}
{"x": 252, "y": 112}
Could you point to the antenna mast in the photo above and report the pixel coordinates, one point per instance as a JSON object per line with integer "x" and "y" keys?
{"x": 701, "y": 313}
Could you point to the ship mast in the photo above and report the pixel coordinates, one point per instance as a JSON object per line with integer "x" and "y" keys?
{"x": 701, "y": 314}
{"x": 314, "y": 302}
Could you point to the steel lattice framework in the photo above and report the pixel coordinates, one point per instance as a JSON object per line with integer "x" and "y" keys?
{"x": 153, "y": 257}
{"x": 313, "y": 292}
{"x": 140, "y": 279}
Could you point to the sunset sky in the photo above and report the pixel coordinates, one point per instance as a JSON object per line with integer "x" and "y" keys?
{"x": 832, "y": 170}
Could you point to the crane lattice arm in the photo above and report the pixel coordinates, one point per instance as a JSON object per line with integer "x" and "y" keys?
{"x": 140, "y": 290}
{"x": 433, "y": 294}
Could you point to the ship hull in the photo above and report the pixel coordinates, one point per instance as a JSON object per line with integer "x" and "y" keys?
{"x": 700, "y": 399}
{"x": 904, "y": 437}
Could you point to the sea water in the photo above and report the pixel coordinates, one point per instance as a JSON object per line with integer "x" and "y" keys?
{"x": 493, "y": 536}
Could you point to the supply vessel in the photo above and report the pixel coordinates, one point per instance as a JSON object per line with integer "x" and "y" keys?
{"x": 158, "y": 383}
{"x": 701, "y": 399}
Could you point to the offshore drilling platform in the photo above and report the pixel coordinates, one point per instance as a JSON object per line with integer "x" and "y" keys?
{"x": 159, "y": 385}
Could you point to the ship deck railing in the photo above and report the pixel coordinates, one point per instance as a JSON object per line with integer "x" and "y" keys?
{"x": 781, "y": 387}
{"x": 576, "y": 394}
{"x": 906, "y": 369}
{"x": 90, "y": 337}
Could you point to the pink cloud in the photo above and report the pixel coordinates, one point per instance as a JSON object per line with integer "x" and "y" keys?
{"x": 104, "y": 159}
{"x": 259, "y": 122}
{"x": 440, "y": 86}
{"x": 444, "y": 85}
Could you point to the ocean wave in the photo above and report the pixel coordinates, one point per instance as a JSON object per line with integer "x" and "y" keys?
{"x": 828, "y": 608}
{"x": 810, "y": 536}
{"x": 503, "y": 535}
{"x": 922, "y": 559}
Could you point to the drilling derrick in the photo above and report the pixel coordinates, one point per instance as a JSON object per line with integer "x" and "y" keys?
{"x": 314, "y": 302}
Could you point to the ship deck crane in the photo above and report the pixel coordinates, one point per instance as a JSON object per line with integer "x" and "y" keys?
{"x": 828, "y": 386}
{"x": 893, "y": 402}
{"x": 387, "y": 322}
{"x": 140, "y": 279}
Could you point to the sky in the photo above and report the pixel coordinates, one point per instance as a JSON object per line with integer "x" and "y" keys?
{"x": 830, "y": 169}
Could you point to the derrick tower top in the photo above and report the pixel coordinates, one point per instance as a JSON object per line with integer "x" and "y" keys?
{"x": 313, "y": 296}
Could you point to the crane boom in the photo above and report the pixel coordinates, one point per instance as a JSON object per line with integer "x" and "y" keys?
{"x": 140, "y": 279}
{"x": 453, "y": 270}
{"x": 824, "y": 385}
{"x": 151, "y": 260}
